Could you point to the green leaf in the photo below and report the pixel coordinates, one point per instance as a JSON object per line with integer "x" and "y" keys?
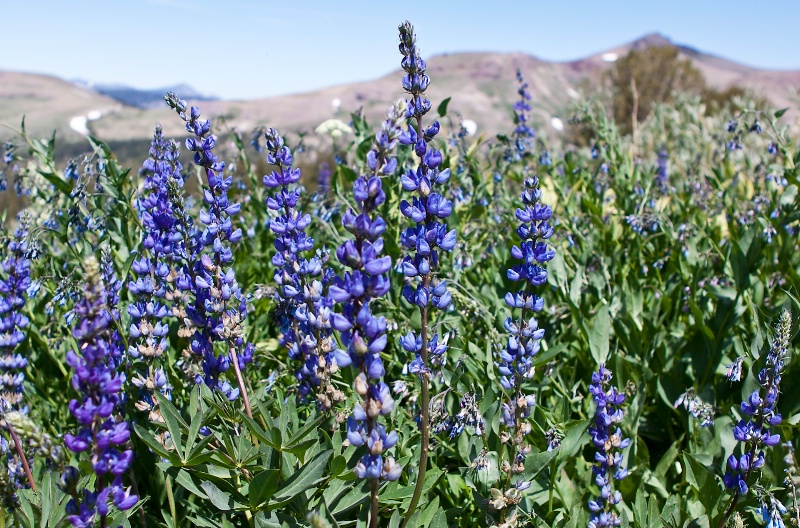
{"x": 640, "y": 510}
{"x": 219, "y": 498}
{"x": 789, "y": 195}
{"x": 667, "y": 459}
{"x": 599, "y": 335}
{"x": 703, "y": 481}
{"x": 155, "y": 445}
{"x": 576, "y": 287}
{"x": 60, "y": 184}
{"x": 184, "y": 479}
{"x": 263, "y": 486}
{"x": 394, "y": 522}
{"x": 428, "y": 512}
{"x": 779, "y": 113}
{"x": 358, "y": 494}
{"x": 536, "y": 462}
{"x": 573, "y": 439}
{"x": 439, "y": 520}
{"x": 476, "y": 352}
{"x": 174, "y": 423}
{"x": 309, "y": 475}
{"x": 442, "y": 108}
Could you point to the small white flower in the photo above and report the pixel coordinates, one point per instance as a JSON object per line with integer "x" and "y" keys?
{"x": 335, "y": 128}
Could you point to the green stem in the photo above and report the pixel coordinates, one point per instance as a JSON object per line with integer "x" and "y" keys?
{"x": 171, "y": 501}
{"x": 424, "y": 413}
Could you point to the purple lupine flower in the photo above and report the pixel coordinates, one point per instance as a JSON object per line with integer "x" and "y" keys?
{"x": 304, "y": 309}
{"x": 662, "y": 169}
{"x": 324, "y": 179}
{"x": 772, "y": 511}
{"x": 609, "y": 442}
{"x": 363, "y": 334}
{"x": 524, "y": 335}
{"x": 424, "y": 240}
{"x": 427, "y": 209}
{"x": 522, "y": 138}
{"x": 17, "y": 270}
{"x": 151, "y": 285}
{"x": 217, "y": 310}
{"x": 753, "y": 432}
{"x": 772, "y": 148}
{"x": 101, "y": 433}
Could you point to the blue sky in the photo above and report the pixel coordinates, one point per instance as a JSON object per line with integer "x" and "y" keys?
{"x": 248, "y": 48}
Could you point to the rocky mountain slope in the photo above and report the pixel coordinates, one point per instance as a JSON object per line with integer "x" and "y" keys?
{"x": 482, "y": 87}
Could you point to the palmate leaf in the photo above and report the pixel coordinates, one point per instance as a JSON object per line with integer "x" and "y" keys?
{"x": 45, "y": 508}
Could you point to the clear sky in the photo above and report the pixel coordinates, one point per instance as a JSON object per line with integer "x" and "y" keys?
{"x": 250, "y": 48}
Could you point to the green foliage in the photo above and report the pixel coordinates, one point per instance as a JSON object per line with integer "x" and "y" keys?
{"x": 667, "y": 280}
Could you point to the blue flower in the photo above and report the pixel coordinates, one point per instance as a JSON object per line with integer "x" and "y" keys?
{"x": 428, "y": 209}
{"x": 362, "y": 334}
{"x": 13, "y": 286}
{"x": 160, "y": 252}
{"x": 754, "y": 431}
{"x": 217, "y": 308}
{"x": 520, "y": 143}
{"x": 101, "y": 433}
{"x": 662, "y": 169}
{"x": 304, "y": 307}
{"x": 608, "y": 440}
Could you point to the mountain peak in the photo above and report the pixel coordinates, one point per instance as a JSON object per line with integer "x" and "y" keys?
{"x": 651, "y": 40}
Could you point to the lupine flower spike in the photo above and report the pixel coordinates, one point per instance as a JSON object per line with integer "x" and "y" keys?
{"x": 304, "y": 308}
{"x": 363, "y": 334}
{"x": 153, "y": 283}
{"x": 101, "y": 433}
{"x": 759, "y": 410}
{"x": 16, "y": 280}
{"x": 425, "y": 239}
{"x": 524, "y": 337}
{"x": 218, "y": 311}
{"x": 608, "y": 440}
{"x": 522, "y": 138}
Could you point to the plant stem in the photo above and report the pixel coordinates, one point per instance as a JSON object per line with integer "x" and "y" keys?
{"x": 424, "y": 415}
{"x": 21, "y": 454}
{"x": 240, "y": 380}
{"x": 423, "y": 457}
{"x": 373, "y": 510}
{"x": 171, "y": 501}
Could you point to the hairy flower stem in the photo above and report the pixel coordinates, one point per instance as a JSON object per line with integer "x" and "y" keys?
{"x": 373, "y": 510}
{"x": 18, "y": 446}
{"x": 240, "y": 380}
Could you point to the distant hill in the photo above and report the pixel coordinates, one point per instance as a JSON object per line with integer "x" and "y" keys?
{"x": 144, "y": 98}
{"x": 482, "y": 87}
{"x": 48, "y": 103}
